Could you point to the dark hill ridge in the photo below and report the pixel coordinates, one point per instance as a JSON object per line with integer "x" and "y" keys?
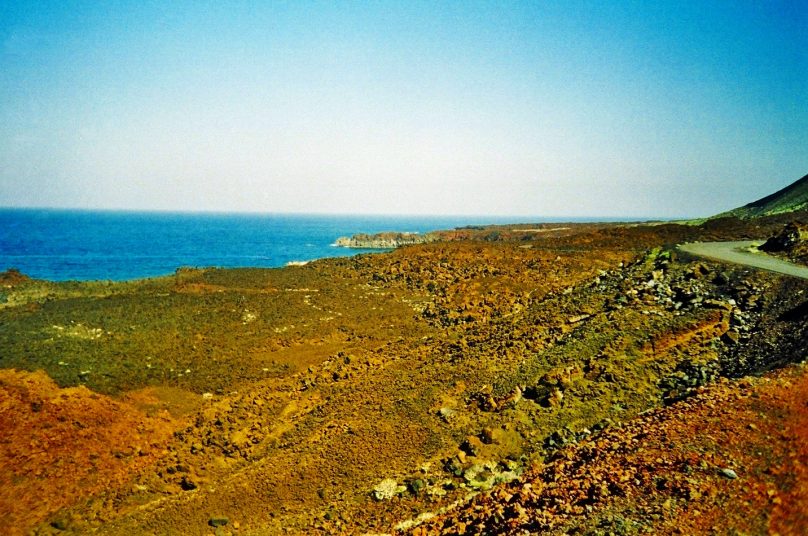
{"x": 792, "y": 198}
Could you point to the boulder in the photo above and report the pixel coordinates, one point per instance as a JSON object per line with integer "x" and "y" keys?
{"x": 791, "y": 236}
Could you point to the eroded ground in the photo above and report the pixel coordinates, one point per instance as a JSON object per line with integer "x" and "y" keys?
{"x": 730, "y": 460}
{"x": 363, "y": 394}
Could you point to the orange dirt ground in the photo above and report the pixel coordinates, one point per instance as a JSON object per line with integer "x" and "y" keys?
{"x": 60, "y": 444}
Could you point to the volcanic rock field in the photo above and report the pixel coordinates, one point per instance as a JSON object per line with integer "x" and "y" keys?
{"x": 560, "y": 379}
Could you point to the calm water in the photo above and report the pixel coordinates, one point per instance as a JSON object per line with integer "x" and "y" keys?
{"x": 83, "y": 245}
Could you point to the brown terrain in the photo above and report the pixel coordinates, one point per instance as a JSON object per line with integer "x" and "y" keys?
{"x": 729, "y": 460}
{"x": 576, "y": 378}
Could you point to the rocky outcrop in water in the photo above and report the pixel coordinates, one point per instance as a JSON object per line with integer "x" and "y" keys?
{"x": 388, "y": 240}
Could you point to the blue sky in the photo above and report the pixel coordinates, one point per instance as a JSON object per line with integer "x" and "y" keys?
{"x": 526, "y": 108}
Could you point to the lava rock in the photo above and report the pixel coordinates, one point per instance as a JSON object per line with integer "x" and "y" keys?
{"x": 218, "y": 521}
{"x": 728, "y": 473}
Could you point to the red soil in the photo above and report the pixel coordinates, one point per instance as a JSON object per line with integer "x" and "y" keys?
{"x": 61, "y": 445}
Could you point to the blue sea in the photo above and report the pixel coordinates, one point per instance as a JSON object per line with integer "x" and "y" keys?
{"x": 62, "y": 245}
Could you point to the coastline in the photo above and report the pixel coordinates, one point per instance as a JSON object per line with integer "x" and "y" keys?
{"x": 89, "y": 245}
{"x": 75, "y": 245}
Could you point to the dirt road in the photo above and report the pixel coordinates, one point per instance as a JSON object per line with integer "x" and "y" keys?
{"x": 738, "y": 253}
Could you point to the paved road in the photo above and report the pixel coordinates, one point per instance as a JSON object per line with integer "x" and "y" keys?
{"x": 737, "y": 253}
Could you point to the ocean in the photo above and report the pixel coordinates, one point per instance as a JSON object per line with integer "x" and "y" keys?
{"x": 62, "y": 245}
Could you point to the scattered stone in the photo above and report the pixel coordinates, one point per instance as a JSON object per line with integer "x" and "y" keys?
{"x": 415, "y": 486}
{"x": 555, "y": 398}
{"x": 722, "y": 278}
{"x": 387, "y": 489}
{"x": 717, "y": 304}
{"x": 59, "y": 524}
{"x": 472, "y": 445}
{"x": 698, "y": 271}
{"x": 728, "y": 473}
{"x": 731, "y": 337}
{"x": 218, "y": 521}
{"x": 578, "y": 318}
{"x": 447, "y": 414}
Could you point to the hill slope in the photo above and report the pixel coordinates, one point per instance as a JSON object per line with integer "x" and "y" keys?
{"x": 792, "y": 198}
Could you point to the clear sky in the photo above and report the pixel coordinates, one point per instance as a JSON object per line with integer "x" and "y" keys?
{"x": 556, "y": 108}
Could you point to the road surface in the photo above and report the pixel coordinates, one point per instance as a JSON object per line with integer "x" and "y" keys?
{"x": 738, "y": 253}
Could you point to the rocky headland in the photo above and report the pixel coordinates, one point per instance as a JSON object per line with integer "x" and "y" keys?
{"x": 386, "y": 240}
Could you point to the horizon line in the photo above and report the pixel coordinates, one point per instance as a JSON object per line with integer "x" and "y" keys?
{"x": 220, "y": 212}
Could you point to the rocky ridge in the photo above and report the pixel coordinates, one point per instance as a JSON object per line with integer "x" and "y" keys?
{"x": 792, "y": 198}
